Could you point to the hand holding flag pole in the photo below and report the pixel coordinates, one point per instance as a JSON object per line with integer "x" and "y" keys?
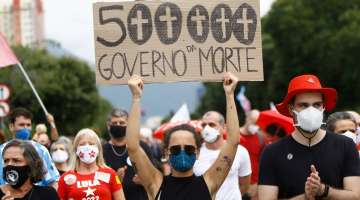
{"x": 7, "y": 57}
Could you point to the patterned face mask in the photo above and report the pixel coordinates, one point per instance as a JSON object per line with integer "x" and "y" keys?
{"x": 87, "y": 153}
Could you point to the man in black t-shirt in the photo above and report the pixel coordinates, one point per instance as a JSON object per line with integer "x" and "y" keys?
{"x": 116, "y": 155}
{"x": 311, "y": 163}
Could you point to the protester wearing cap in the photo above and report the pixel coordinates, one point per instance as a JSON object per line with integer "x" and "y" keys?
{"x": 310, "y": 163}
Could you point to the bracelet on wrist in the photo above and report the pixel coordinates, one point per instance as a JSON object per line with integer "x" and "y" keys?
{"x": 325, "y": 193}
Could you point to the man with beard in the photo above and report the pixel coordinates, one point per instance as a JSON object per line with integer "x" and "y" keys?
{"x": 116, "y": 155}
{"x": 311, "y": 163}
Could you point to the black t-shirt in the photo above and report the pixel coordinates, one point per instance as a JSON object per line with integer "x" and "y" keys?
{"x": 183, "y": 188}
{"x": 38, "y": 193}
{"x": 286, "y": 163}
{"x": 116, "y": 157}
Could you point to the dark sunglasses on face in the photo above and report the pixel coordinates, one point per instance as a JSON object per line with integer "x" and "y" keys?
{"x": 176, "y": 149}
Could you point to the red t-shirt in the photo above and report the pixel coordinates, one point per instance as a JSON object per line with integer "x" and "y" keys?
{"x": 96, "y": 186}
{"x": 252, "y": 144}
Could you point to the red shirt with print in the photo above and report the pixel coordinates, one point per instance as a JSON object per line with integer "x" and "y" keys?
{"x": 99, "y": 185}
{"x": 254, "y": 146}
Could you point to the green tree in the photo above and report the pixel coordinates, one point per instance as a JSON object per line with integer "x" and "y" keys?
{"x": 299, "y": 37}
{"x": 66, "y": 86}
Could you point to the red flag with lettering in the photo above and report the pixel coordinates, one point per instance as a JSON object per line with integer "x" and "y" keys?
{"x": 7, "y": 57}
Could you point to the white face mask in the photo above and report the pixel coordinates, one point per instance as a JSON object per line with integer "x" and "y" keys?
{"x": 60, "y": 156}
{"x": 87, "y": 153}
{"x": 358, "y": 130}
{"x": 253, "y": 129}
{"x": 309, "y": 119}
{"x": 350, "y": 135}
{"x": 358, "y": 138}
{"x": 210, "y": 134}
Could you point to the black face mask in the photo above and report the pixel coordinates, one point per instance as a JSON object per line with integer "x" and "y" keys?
{"x": 117, "y": 131}
{"x": 16, "y": 175}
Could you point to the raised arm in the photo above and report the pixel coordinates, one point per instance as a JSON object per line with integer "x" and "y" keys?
{"x": 217, "y": 173}
{"x": 150, "y": 176}
{"x": 54, "y": 135}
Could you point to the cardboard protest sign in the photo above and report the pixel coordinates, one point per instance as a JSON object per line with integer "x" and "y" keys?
{"x": 179, "y": 40}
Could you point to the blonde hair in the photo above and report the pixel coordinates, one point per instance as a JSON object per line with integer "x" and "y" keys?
{"x": 75, "y": 159}
{"x": 40, "y": 128}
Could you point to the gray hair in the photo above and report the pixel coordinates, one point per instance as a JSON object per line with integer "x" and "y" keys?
{"x": 337, "y": 116}
{"x": 67, "y": 144}
{"x": 221, "y": 118}
{"x": 33, "y": 160}
{"x": 117, "y": 112}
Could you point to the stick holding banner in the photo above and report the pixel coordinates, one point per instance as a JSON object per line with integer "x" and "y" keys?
{"x": 7, "y": 57}
{"x": 32, "y": 87}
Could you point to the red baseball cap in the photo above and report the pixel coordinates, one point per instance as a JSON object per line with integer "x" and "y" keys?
{"x": 307, "y": 83}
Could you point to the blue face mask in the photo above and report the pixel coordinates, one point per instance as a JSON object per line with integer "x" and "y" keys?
{"x": 182, "y": 162}
{"x": 22, "y": 134}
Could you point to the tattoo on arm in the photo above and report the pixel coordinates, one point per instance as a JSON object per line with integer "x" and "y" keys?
{"x": 134, "y": 166}
{"x": 218, "y": 169}
{"x": 227, "y": 160}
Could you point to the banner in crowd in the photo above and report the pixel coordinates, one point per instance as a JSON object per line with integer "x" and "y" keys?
{"x": 179, "y": 40}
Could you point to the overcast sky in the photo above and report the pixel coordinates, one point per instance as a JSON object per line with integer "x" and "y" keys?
{"x": 70, "y": 23}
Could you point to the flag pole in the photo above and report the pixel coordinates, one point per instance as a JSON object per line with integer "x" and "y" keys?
{"x": 32, "y": 87}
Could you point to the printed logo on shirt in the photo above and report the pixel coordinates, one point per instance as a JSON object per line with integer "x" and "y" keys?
{"x": 290, "y": 156}
{"x": 90, "y": 192}
{"x": 70, "y": 179}
{"x": 87, "y": 183}
{"x": 102, "y": 176}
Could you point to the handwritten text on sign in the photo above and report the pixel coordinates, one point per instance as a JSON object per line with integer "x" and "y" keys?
{"x": 177, "y": 40}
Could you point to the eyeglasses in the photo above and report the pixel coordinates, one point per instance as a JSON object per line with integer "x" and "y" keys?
{"x": 176, "y": 149}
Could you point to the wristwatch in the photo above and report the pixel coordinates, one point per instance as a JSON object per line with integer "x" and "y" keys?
{"x": 324, "y": 194}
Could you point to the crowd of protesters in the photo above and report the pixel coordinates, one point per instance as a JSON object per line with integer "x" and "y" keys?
{"x": 292, "y": 153}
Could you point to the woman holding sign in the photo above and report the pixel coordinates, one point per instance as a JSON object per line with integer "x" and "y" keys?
{"x": 182, "y": 146}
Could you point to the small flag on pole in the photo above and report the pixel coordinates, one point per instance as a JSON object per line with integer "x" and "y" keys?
{"x": 7, "y": 57}
{"x": 182, "y": 114}
{"x": 243, "y": 100}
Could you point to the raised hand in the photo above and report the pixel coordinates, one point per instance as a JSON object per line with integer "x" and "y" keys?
{"x": 50, "y": 118}
{"x": 136, "y": 86}
{"x": 230, "y": 82}
{"x": 121, "y": 172}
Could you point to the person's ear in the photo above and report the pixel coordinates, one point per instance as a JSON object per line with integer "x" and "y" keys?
{"x": 290, "y": 109}
{"x": 11, "y": 127}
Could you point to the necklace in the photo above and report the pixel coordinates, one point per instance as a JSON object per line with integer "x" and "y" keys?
{"x": 116, "y": 153}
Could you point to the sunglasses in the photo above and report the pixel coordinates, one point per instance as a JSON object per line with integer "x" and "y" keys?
{"x": 176, "y": 149}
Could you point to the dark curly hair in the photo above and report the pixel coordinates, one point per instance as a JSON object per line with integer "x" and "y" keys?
{"x": 182, "y": 127}
{"x": 33, "y": 160}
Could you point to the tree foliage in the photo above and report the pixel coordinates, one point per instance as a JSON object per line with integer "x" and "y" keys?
{"x": 66, "y": 86}
{"x": 305, "y": 36}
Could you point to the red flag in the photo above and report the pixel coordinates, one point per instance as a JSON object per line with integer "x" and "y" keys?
{"x": 7, "y": 57}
